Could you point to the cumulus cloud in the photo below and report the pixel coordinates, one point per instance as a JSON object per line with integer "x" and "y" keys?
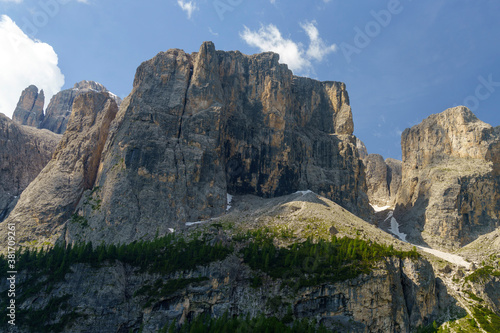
{"x": 24, "y": 61}
{"x": 188, "y": 6}
{"x": 294, "y": 54}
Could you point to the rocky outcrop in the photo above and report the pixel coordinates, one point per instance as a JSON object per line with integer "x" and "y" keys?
{"x": 51, "y": 198}
{"x": 29, "y": 110}
{"x": 24, "y": 152}
{"x": 59, "y": 110}
{"x": 450, "y": 191}
{"x": 394, "y": 176}
{"x": 363, "y": 152}
{"x": 397, "y": 296}
{"x": 198, "y": 126}
{"x": 377, "y": 180}
{"x": 383, "y": 179}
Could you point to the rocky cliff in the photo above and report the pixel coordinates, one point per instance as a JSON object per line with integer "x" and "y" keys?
{"x": 383, "y": 179}
{"x": 29, "y": 109}
{"x": 450, "y": 191}
{"x": 30, "y": 112}
{"x": 51, "y": 198}
{"x": 59, "y": 109}
{"x": 24, "y": 152}
{"x": 199, "y": 126}
{"x": 395, "y": 295}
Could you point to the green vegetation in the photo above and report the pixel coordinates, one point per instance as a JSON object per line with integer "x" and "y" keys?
{"x": 432, "y": 328}
{"x": 163, "y": 255}
{"x": 482, "y": 274}
{"x": 311, "y": 263}
{"x": 205, "y": 324}
{"x": 473, "y": 296}
{"x": 81, "y": 220}
{"x": 489, "y": 321}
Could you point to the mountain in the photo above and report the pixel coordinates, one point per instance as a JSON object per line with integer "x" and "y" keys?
{"x": 24, "y": 152}
{"x": 106, "y": 292}
{"x": 450, "y": 191}
{"x": 29, "y": 110}
{"x": 51, "y": 198}
{"x": 226, "y": 192}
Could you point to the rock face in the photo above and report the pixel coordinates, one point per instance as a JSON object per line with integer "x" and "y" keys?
{"x": 363, "y": 152}
{"x": 450, "y": 191}
{"x": 198, "y": 126}
{"x": 394, "y": 176}
{"x": 383, "y": 179}
{"x": 29, "y": 110}
{"x": 397, "y": 296}
{"x": 59, "y": 110}
{"x": 52, "y": 197}
{"x": 24, "y": 152}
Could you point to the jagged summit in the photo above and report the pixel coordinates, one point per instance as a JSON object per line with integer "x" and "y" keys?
{"x": 90, "y": 85}
{"x": 29, "y": 109}
{"x": 55, "y": 118}
{"x": 199, "y": 126}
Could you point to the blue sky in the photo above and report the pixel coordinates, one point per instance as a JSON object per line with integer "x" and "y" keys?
{"x": 401, "y": 60}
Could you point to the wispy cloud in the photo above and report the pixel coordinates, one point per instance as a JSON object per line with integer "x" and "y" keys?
{"x": 317, "y": 48}
{"x": 24, "y": 61}
{"x": 298, "y": 58}
{"x": 15, "y": 1}
{"x": 188, "y": 6}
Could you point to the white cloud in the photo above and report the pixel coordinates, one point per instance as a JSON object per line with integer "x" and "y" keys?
{"x": 15, "y": 1}
{"x": 269, "y": 38}
{"x": 317, "y": 47}
{"x": 24, "y": 61}
{"x": 188, "y": 6}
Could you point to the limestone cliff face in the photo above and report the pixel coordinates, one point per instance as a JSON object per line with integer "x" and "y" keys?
{"x": 24, "y": 152}
{"x": 29, "y": 109}
{"x": 398, "y": 296}
{"x": 51, "y": 198}
{"x": 59, "y": 109}
{"x": 383, "y": 179}
{"x": 198, "y": 126}
{"x": 450, "y": 191}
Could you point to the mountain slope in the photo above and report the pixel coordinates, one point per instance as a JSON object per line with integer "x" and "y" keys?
{"x": 24, "y": 152}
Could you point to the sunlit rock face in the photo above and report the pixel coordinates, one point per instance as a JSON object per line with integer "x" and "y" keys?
{"x": 450, "y": 191}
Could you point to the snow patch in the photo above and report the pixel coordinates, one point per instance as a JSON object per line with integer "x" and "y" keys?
{"x": 379, "y": 209}
{"x": 394, "y": 229}
{"x": 229, "y": 200}
{"x": 453, "y": 258}
{"x": 194, "y": 223}
{"x": 304, "y": 192}
{"x": 171, "y": 230}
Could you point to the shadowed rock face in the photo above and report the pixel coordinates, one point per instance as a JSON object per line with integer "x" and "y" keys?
{"x": 29, "y": 109}
{"x": 51, "y": 198}
{"x": 450, "y": 191}
{"x": 197, "y": 126}
{"x": 383, "y": 179}
{"x": 24, "y": 152}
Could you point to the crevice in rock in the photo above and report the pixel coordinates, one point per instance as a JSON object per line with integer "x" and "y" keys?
{"x": 191, "y": 67}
